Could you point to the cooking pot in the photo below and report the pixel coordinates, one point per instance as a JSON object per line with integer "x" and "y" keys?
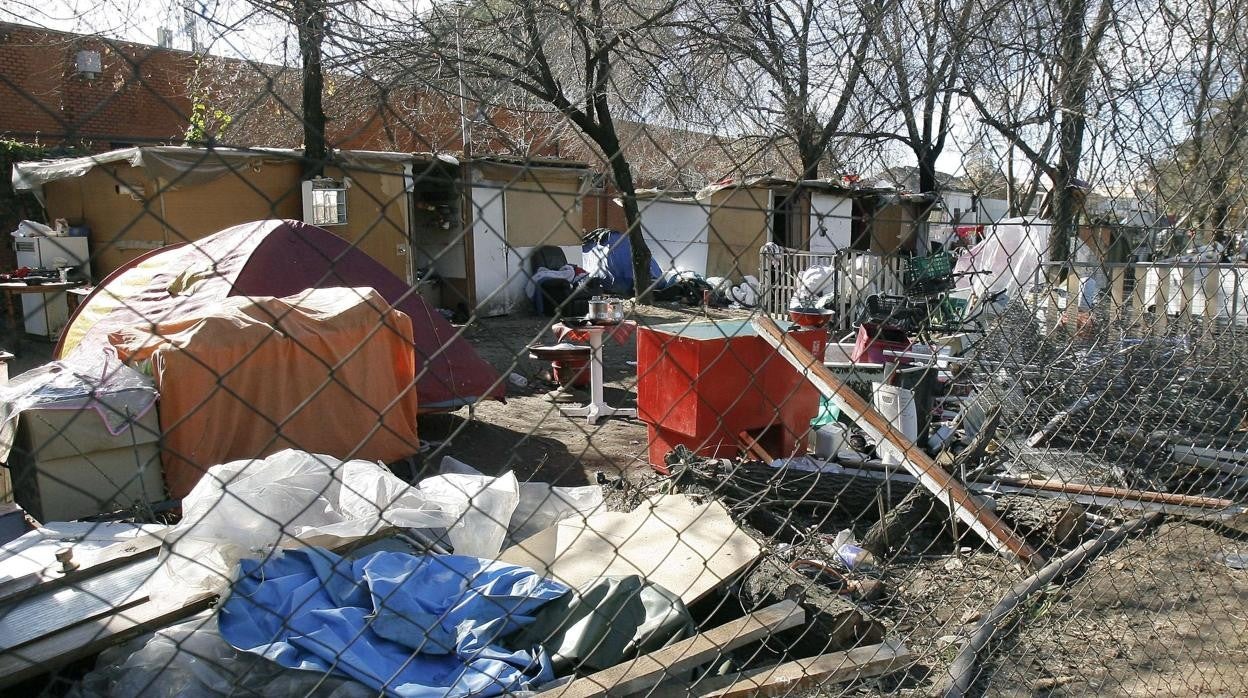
{"x": 606, "y": 311}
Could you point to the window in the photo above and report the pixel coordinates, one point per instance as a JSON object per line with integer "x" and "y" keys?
{"x": 325, "y": 202}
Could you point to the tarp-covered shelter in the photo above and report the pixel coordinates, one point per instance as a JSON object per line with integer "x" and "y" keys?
{"x": 330, "y": 370}
{"x": 1006, "y": 259}
{"x": 276, "y": 258}
{"x": 135, "y": 200}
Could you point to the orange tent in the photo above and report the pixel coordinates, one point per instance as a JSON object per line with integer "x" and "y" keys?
{"x": 327, "y": 371}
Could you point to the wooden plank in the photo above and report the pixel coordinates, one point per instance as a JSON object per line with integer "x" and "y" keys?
{"x": 943, "y": 486}
{"x": 1142, "y": 500}
{"x": 686, "y": 548}
{"x": 792, "y": 677}
{"x": 90, "y": 638}
{"x": 648, "y": 670}
{"x": 140, "y": 548}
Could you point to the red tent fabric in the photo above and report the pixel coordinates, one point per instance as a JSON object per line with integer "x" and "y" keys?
{"x": 276, "y": 258}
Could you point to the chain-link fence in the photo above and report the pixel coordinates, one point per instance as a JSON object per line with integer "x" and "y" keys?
{"x": 650, "y": 348}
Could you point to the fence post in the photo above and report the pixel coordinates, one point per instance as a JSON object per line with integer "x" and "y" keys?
{"x": 1161, "y": 303}
{"x": 1142, "y": 273}
{"x": 1211, "y": 289}
{"x": 1117, "y": 289}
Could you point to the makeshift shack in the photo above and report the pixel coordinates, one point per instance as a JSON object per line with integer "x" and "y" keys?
{"x": 135, "y": 200}
{"x": 275, "y": 258}
{"x": 518, "y": 205}
{"x": 810, "y": 215}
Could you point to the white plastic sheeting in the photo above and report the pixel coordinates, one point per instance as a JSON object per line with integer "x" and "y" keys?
{"x": 192, "y": 660}
{"x": 1012, "y": 251}
{"x": 814, "y": 286}
{"x": 246, "y": 508}
{"x": 249, "y": 507}
{"x": 490, "y": 506}
{"x": 98, "y": 382}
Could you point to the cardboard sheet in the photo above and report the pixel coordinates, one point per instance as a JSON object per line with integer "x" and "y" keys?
{"x": 686, "y": 548}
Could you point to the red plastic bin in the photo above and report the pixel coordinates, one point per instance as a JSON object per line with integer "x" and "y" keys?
{"x": 702, "y": 384}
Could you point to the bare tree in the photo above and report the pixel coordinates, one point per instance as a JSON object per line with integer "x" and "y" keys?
{"x": 796, "y": 65}
{"x": 587, "y": 59}
{"x": 923, "y": 48}
{"x": 1066, "y": 54}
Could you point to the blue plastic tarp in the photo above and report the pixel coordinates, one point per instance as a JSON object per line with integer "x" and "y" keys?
{"x": 609, "y": 257}
{"x": 407, "y": 625}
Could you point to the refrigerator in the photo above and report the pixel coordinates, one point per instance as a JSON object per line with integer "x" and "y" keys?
{"x": 47, "y": 314}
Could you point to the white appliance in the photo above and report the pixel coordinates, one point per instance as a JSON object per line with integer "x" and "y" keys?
{"x": 46, "y": 314}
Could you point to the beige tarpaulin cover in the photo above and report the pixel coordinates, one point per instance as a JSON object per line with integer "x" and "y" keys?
{"x": 328, "y": 371}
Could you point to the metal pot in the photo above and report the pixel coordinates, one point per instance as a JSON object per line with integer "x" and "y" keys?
{"x": 598, "y": 309}
{"x": 606, "y": 311}
{"x": 615, "y": 310}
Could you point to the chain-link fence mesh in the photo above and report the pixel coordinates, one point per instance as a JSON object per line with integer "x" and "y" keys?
{"x": 881, "y": 347}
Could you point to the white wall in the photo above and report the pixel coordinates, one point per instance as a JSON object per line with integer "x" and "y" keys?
{"x": 993, "y": 210}
{"x": 677, "y": 233}
{"x": 831, "y": 222}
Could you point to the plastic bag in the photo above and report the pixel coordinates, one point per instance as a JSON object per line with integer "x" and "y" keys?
{"x": 192, "y": 660}
{"x": 848, "y": 551}
{"x": 91, "y": 381}
{"x": 248, "y": 507}
{"x": 538, "y": 506}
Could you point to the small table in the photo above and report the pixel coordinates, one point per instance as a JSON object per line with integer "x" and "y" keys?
{"x": 597, "y": 408}
{"x": 13, "y": 289}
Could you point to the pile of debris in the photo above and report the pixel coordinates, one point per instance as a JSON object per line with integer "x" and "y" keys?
{"x": 296, "y": 569}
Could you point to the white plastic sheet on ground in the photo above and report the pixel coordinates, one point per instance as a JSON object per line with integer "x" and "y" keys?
{"x": 246, "y": 508}
{"x": 192, "y": 660}
{"x": 536, "y": 506}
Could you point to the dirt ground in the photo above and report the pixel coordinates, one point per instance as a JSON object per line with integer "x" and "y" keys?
{"x": 1162, "y": 614}
{"x": 528, "y": 433}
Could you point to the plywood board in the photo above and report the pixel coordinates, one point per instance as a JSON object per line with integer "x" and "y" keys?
{"x": 687, "y": 548}
{"x": 676, "y": 233}
{"x": 377, "y": 214}
{"x": 543, "y": 211}
{"x": 793, "y": 677}
{"x": 739, "y": 226}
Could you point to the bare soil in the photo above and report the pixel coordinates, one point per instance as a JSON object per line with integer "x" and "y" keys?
{"x": 528, "y": 433}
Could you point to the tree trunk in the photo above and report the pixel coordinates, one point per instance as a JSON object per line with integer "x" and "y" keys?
{"x": 310, "y": 22}
{"x": 623, "y": 175}
{"x": 1228, "y": 162}
{"x": 1045, "y": 522}
{"x": 1076, "y": 72}
{"x": 928, "y": 183}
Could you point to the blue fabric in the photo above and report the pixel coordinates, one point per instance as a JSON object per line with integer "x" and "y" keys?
{"x": 408, "y": 625}
{"x": 618, "y": 276}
